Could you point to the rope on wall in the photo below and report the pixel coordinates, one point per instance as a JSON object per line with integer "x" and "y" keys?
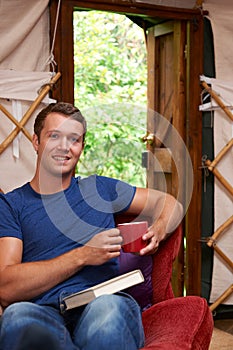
{"x": 51, "y": 59}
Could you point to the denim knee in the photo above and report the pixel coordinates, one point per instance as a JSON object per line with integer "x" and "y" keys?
{"x": 24, "y": 317}
{"x": 17, "y": 311}
{"x": 110, "y": 321}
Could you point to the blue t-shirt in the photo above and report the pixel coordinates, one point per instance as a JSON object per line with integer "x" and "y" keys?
{"x": 50, "y": 225}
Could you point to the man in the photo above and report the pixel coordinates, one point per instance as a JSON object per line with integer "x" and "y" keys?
{"x": 58, "y": 236}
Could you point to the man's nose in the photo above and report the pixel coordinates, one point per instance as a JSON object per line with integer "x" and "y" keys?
{"x": 64, "y": 144}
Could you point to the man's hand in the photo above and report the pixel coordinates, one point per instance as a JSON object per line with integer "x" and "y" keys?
{"x": 154, "y": 234}
{"x": 164, "y": 211}
{"x": 103, "y": 247}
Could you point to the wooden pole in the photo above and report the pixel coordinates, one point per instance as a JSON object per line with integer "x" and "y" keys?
{"x": 219, "y": 231}
{"x": 223, "y": 256}
{"x": 217, "y": 99}
{"x": 221, "y": 154}
{"x": 223, "y": 181}
{"x": 222, "y": 297}
{"x": 10, "y": 116}
{"x": 29, "y": 112}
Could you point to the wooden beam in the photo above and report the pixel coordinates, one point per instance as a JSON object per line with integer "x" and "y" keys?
{"x": 194, "y": 143}
{"x": 179, "y": 116}
{"x": 137, "y": 8}
{"x": 63, "y": 50}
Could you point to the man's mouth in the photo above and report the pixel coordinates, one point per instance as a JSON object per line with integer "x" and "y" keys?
{"x": 61, "y": 158}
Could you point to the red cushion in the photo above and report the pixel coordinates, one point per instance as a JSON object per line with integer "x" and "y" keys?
{"x": 162, "y": 266}
{"x": 178, "y": 324}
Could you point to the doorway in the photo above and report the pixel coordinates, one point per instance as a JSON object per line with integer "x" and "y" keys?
{"x": 110, "y": 88}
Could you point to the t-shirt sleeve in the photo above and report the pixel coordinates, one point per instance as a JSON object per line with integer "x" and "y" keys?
{"x": 106, "y": 195}
{"x": 119, "y": 193}
{"x": 9, "y": 223}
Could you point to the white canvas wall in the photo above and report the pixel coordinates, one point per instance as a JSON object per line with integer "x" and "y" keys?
{"x": 220, "y": 15}
{"x": 24, "y": 43}
{"x": 24, "y": 38}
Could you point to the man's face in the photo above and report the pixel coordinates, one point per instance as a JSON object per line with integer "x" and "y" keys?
{"x": 60, "y": 146}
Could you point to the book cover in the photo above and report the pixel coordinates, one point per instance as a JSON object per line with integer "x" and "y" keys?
{"x": 111, "y": 286}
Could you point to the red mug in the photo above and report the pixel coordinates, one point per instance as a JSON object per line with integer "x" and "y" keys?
{"x": 132, "y": 233}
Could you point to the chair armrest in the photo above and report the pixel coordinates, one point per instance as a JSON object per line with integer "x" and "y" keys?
{"x": 178, "y": 323}
{"x": 162, "y": 266}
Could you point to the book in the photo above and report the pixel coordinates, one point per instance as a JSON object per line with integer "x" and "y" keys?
{"x": 111, "y": 286}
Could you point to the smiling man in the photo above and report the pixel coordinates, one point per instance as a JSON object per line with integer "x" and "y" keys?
{"x": 58, "y": 141}
{"x": 58, "y": 236}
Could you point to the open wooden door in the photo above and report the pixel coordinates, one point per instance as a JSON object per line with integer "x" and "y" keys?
{"x": 166, "y": 96}
{"x": 173, "y": 138}
{"x": 165, "y": 158}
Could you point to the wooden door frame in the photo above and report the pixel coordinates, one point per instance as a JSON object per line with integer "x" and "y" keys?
{"x": 194, "y": 145}
{"x": 175, "y": 86}
{"x": 63, "y": 52}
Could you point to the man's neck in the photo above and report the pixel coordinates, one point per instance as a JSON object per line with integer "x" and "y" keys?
{"x": 50, "y": 185}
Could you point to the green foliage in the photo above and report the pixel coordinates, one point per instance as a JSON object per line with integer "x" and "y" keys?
{"x": 110, "y": 59}
{"x": 110, "y": 79}
{"x": 112, "y": 146}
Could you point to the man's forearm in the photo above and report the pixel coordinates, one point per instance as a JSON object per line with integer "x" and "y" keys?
{"x": 25, "y": 281}
{"x": 170, "y": 211}
{"x": 157, "y": 205}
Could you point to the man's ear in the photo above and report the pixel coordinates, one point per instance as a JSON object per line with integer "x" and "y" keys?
{"x": 35, "y": 142}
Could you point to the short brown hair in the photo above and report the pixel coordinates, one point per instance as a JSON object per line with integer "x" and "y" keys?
{"x": 64, "y": 108}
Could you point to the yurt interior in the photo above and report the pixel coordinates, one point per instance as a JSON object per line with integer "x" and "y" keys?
{"x": 187, "y": 136}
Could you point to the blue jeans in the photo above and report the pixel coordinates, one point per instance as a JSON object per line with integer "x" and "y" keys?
{"x": 108, "y": 322}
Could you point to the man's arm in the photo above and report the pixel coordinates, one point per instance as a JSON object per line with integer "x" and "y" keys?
{"x": 164, "y": 210}
{"x": 24, "y": 281}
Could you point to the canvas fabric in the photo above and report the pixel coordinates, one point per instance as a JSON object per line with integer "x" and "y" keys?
{"x": 220, "y": 15}
{"x": 24, "y": 43}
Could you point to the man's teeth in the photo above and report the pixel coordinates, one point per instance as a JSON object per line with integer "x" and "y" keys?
{"x": 60, "y": 158}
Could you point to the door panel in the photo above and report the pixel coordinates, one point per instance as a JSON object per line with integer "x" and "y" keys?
{"x": 166, "y": 117}
{"x": 166, "y": 95}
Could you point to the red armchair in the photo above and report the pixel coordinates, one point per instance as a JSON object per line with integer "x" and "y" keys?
{"x": 174, "y": 323}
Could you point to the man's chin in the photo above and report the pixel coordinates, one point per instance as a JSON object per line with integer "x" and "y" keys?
{"x": 62, "y": 173}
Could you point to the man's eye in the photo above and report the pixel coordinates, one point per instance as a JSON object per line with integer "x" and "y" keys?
{"x": 74, "y": 139}
{"x": 53, "y": 136}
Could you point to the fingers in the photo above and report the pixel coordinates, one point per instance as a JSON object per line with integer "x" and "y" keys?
{"x": 151, "y": 248}
{"x": 113, "y": 237}
{"x": 109, "y": 239}
{"x": 113, "y": 232}
{"x": 152, "y": 236}
{"x": 103, "y": 246}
